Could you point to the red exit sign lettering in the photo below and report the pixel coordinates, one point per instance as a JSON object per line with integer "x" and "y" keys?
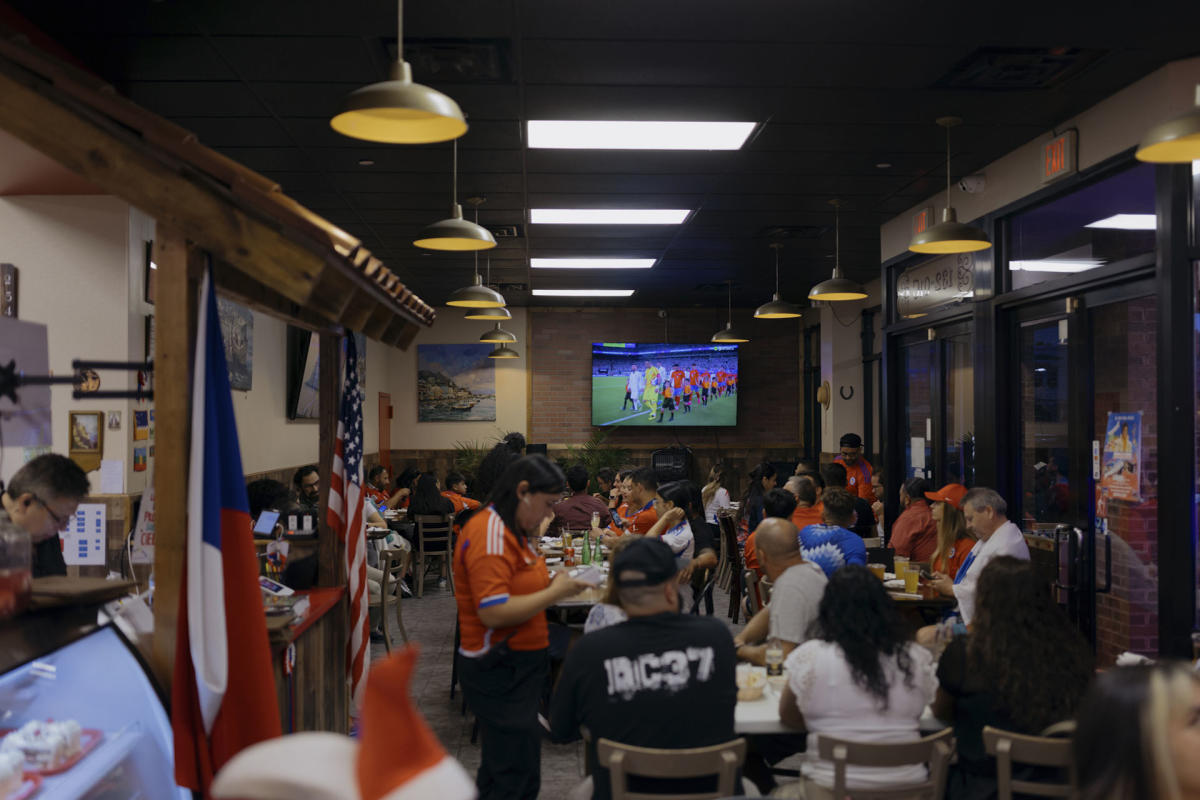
{"x": 1058, "y": 156}
{"x": 922, "y": 220}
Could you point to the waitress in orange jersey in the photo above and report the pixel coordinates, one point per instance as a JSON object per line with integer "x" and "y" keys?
{"x": 503, "y": 590}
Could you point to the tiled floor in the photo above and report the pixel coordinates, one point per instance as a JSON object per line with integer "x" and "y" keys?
{"x": 430, "y": 623}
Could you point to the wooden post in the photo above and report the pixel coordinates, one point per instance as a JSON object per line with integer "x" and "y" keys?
{"x": 179, "y": 269}
{"x": 331, "y": 571}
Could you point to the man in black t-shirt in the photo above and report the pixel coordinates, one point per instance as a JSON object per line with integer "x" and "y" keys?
{"x": 42, "y": 497}
{"x": 661, "y": 679}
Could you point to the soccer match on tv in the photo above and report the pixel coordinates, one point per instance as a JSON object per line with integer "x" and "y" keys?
{"x": 664, "y": 384}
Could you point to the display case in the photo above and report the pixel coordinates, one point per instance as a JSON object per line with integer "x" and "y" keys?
{"x": 91, "y": 675}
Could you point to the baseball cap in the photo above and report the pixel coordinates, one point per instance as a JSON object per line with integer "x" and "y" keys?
{"x": 850, "y": 440}
{"x": 651, "y": 557}
{"x": 951, "y": 493}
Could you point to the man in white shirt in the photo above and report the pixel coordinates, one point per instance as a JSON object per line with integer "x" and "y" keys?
{"x": 986, "y": 515}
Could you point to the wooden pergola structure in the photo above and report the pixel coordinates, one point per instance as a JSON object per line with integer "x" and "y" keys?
{"x": 267, "y": 251}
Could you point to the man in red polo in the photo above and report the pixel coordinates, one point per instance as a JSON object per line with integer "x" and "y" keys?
{"x": 858, "y": 469}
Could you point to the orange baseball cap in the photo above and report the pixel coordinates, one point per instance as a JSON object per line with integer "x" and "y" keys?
{"x": 951, "y": 493}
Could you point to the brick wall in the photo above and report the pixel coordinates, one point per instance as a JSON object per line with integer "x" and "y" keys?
{"x": 561, "y": 361}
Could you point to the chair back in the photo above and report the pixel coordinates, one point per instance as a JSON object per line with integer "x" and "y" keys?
{"x": 933, "y": 750}
{"x": 753, "y": 591}
{"x": 1043, "y": 751}
{"x": 394, "y": 565}
{"x": 623, "y": 760}
{"x": 432, "y": 529}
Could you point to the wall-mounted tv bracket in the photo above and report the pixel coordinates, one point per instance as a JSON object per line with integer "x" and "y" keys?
{"x": 12, "y": 379}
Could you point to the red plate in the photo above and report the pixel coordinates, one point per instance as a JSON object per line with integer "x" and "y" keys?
{"x": 88, "y": 739}
{"x": 28, "y": 787}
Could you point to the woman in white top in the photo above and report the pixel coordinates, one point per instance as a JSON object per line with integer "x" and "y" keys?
{"x": 714, "y": 495}
{"x": 861, "y": 678}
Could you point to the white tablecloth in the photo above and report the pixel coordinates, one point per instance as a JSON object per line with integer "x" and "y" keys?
{"x": 762, "y": 716}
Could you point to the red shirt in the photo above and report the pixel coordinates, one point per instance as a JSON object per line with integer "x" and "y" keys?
{"x": 677, "y": 378}
{"x": 459, "y": 501}
{"x": 858, "y": 478}
{"x": 491, "y": 565}
{"x": 811, "y": 515}
{"x": 378, "y": 497}
{"x": 914, "y": 534}
{"x": 954, "y": 559}
{"x": 639, "y": 521}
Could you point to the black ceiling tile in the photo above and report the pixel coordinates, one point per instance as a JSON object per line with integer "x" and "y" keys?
{"x": 236, "y": 131}
{"x": 122, "y": 59}
{"x": 196, "y": 98}
{"x": 298, "y": 58}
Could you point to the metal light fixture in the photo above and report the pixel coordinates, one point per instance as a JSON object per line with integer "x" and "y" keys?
{"x": 477, "y": 295}
{"x": 1176, "y": 141}
{"x": 498, "y": 335}
{"x": 493, "y": 313}
{"x": 456, "y": 233}
{"x": 837, "y": 288}
{"x": 398, "y": 111}
{"x": 504, "y": 351}
{"x": 776, "y": 308}
{"x": 949, "y": 235}
{"x": 728, "y": 335}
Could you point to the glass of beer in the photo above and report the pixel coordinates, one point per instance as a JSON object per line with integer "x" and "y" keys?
{"x": 912, "y": 578}
{"x": 877, "y": 570}
{"x": 901, "y": 562}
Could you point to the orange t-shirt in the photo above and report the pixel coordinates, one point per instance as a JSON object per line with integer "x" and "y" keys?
{"x": 803, "y": 517}
{"x": 677, "y": 378}
{"x": 958, "y": 554}
{"x": 459, "y": 501}
{"x": 491, "y": 565}
{"x": 638, "y": 522}
{"x": 750, "y": 554}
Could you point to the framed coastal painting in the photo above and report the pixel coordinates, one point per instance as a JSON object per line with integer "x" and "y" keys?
{"x": 86, "y": 438}
{"x": 455, "y": 383}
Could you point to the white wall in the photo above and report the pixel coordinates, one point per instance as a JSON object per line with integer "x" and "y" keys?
{"x": 842, "y": 365}
{"x": 1106, "y": 129}
{"x": 512, "y": 385}
{"x": 73, "y": 256}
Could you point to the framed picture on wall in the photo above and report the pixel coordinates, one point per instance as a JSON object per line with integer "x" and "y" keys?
{"x": 86, "y": 438}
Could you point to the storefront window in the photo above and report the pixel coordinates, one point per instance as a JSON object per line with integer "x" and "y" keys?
{"x": 1103, "y": 223}
{"x": 916, "y": 420}
{"x": 960, "y": 410}
{"x": 1045, "y": 459}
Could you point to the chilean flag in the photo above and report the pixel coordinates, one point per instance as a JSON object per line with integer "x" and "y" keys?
{"x": 223, "y": 692}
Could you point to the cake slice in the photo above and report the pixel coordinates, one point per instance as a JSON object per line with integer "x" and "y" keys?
{"x": 12, "y": 768}
{"x": 44, "y": 745}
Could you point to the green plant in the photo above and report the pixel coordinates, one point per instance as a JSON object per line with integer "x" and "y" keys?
{"x": 595, "y": 454}
{"x": 467, "y": 456}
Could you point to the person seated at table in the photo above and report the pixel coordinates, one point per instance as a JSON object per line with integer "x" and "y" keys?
{"x": 606, "y": 480}
{"x": 878, "y": 492}
{"x": 427, "y": 500}
{"x": 763, "y": 479}
{"x": 954, "y": 541}
{"x": 307, "y": 484}
{"x": 915, "y": 531}
{"x": 661, "y": 679}
{"x": 1136, "y": 734}
{"x": 617, "y": 507}
{"x": 41, "y": 499}
{"x": 641, "y": 487}
{"x": 267, "y": 495}
{"x": 378, "y": 488}
{"x": 456, "y": 492}
{"x": 405, "y": 484}
{"x": 777, "y": 503}
{"x": 863, "y": 523}
{"x": 831, "y": 544}
{"x": 574, "y": 513}
{"x": 505, "y": 452}
{"x": 714, "y": 495}
{"x": 807, "y": 491}
{"x": 1022, "y": 667}
{"x": 862, "y": 678}
{"x": 797, "y": 585}
{"x": 682, "y": 526}
{"x": 608, "y": 611}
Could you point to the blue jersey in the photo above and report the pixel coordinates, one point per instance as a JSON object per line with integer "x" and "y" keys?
{"x": 832, "y": 547}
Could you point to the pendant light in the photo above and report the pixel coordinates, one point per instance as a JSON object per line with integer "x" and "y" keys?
{"x": 837, "y": 288}
{"x": 398, "y": 111}
{"x": 728, "y": 335}
{"x": 456, "y": 233}
{"x": 498, "y": 335}
{"x": 949, "y": 235}
{"x": 776, "y": 309}
{"x": 477, "y": 295}
{"x": 504, "y": 351}
{"x": 494, "y": 313}
{"x": 1175, "y": 141}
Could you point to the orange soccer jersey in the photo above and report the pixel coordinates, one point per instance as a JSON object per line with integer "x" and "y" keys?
{"x": 491, "y": 565}
{"x": 704, "y": 380}
{"x": 677, "y": 378}
{"x": 637, "y": 522}
{"x": 693, "y": 376}
{"x": 667, "y": 391}
{"x": 460, "y": 502}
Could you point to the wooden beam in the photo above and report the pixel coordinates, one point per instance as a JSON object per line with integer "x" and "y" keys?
{"x": 175, "y": 301}
{"x": 358, "y": 311}
{"x": 377, "y": 323}
{"x": 331, "y": 570}
{"x": 241, "y": 288}
{"x": 407, "y": 337}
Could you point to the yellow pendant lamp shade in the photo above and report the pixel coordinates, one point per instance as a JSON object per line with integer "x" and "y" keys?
{"x": 728, "y": 335}
{"x": 776, "y": 308}
{"x": 456, "y": 234}
{"x": 837, "y": 288}
{"x": 1175, "y": 141}
{"x": 949, "y": 235}
{"x": 398, "y": 111}
{"x": 493, "y": 313}
{"x": 504, "y": 351}
{"x": 498, "y": 335}
{"x": 476, "y": 296}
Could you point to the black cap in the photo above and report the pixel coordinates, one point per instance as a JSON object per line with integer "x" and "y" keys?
{"x": 651, "y": 557}
{"x": 850, "y": 440}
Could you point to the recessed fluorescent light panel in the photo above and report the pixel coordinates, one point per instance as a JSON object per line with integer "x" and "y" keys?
{"x": 1056, "y": 265}
{"x": 582, "y": 292}
{"x": 591, "y": 263}
{"x": 1127, "y": 222}
{"x": 637, "y": 135}
{"x": 608, "y": 216}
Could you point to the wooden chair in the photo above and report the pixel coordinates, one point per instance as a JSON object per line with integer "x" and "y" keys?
{"x": 432, "y": 530}
{"x": 933, "y": 750}
{"x": 733, "y": 563}
{"x": 753, "y": 592}
{"x": 1044, "y": 751}
{"x": 623, "y": 760}
{"x": 394, "y": 564}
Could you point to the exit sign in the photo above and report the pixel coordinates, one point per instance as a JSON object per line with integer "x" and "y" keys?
{"x": 1058, "y": 156}
{"x": 922, "y": 220}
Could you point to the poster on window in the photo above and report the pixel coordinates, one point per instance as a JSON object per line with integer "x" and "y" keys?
{"x": 1121, "y": 460}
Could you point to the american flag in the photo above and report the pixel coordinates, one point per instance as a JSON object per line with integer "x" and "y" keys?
{"x": 347, "y": 520}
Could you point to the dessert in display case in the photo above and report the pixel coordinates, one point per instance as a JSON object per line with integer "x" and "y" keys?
{"x": 84, "y": 720}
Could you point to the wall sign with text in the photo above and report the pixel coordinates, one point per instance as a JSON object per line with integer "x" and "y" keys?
{"x": 1058, "y": 156}
{"x": 938, "y": 282}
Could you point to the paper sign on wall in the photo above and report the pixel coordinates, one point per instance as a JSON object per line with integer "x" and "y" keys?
{"x": 1121, "y": 464}
{"x": 83, "y": 540}
{"x": 143, "y": 532}
{"x": 918, "y": 457}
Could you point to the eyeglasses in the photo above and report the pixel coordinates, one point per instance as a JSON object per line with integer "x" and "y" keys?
{"x": 60, "y": 521}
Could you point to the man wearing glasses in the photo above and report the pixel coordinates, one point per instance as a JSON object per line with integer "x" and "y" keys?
{"x": 858, "y": 469}
{"x": 41, "y": 498}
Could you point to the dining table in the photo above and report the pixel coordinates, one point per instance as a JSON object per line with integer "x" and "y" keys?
{"x": 761, "y": 716}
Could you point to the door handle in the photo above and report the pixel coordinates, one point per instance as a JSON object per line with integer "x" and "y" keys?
{"x": 1107, "y": 565}
{"x": 1072, "y": 555}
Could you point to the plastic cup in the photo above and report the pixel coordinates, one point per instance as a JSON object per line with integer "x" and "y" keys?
{"x": 877, "y": 570}
{"x": 900, "y": 563}
{"x": 912, "y": 579}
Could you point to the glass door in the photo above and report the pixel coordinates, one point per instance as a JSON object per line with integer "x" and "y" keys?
{"x": 958, "y": 378}
{"x": 937, "y": 406}
{"x": 915, "y": 432}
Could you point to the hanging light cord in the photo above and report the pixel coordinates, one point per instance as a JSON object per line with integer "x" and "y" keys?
{"x": 400, "y": 30}
{"x": 776, "y": 271}
{"x": 947, "y": 166}
{"x": 837, "y": 238}
{"x": 730, "y": 282}
{"x": 454, "y": 179}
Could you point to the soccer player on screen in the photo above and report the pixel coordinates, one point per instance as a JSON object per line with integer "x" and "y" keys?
{"x": 668, "y": 401}
{"x": 687, "y": 398}
{"x": 633, "y": 389}
{"x": 650, "y": 392}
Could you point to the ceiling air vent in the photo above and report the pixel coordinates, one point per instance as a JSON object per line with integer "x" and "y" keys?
{"x": 511, "y": 287}
{"x": 456, "y": 60}
{"x": 1019, "y": 68}
{"x": 794, "y": 232}
{"x": 507, "y": 231}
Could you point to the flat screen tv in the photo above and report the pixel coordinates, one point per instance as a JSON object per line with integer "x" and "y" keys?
{"x": 657, "y": 385}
